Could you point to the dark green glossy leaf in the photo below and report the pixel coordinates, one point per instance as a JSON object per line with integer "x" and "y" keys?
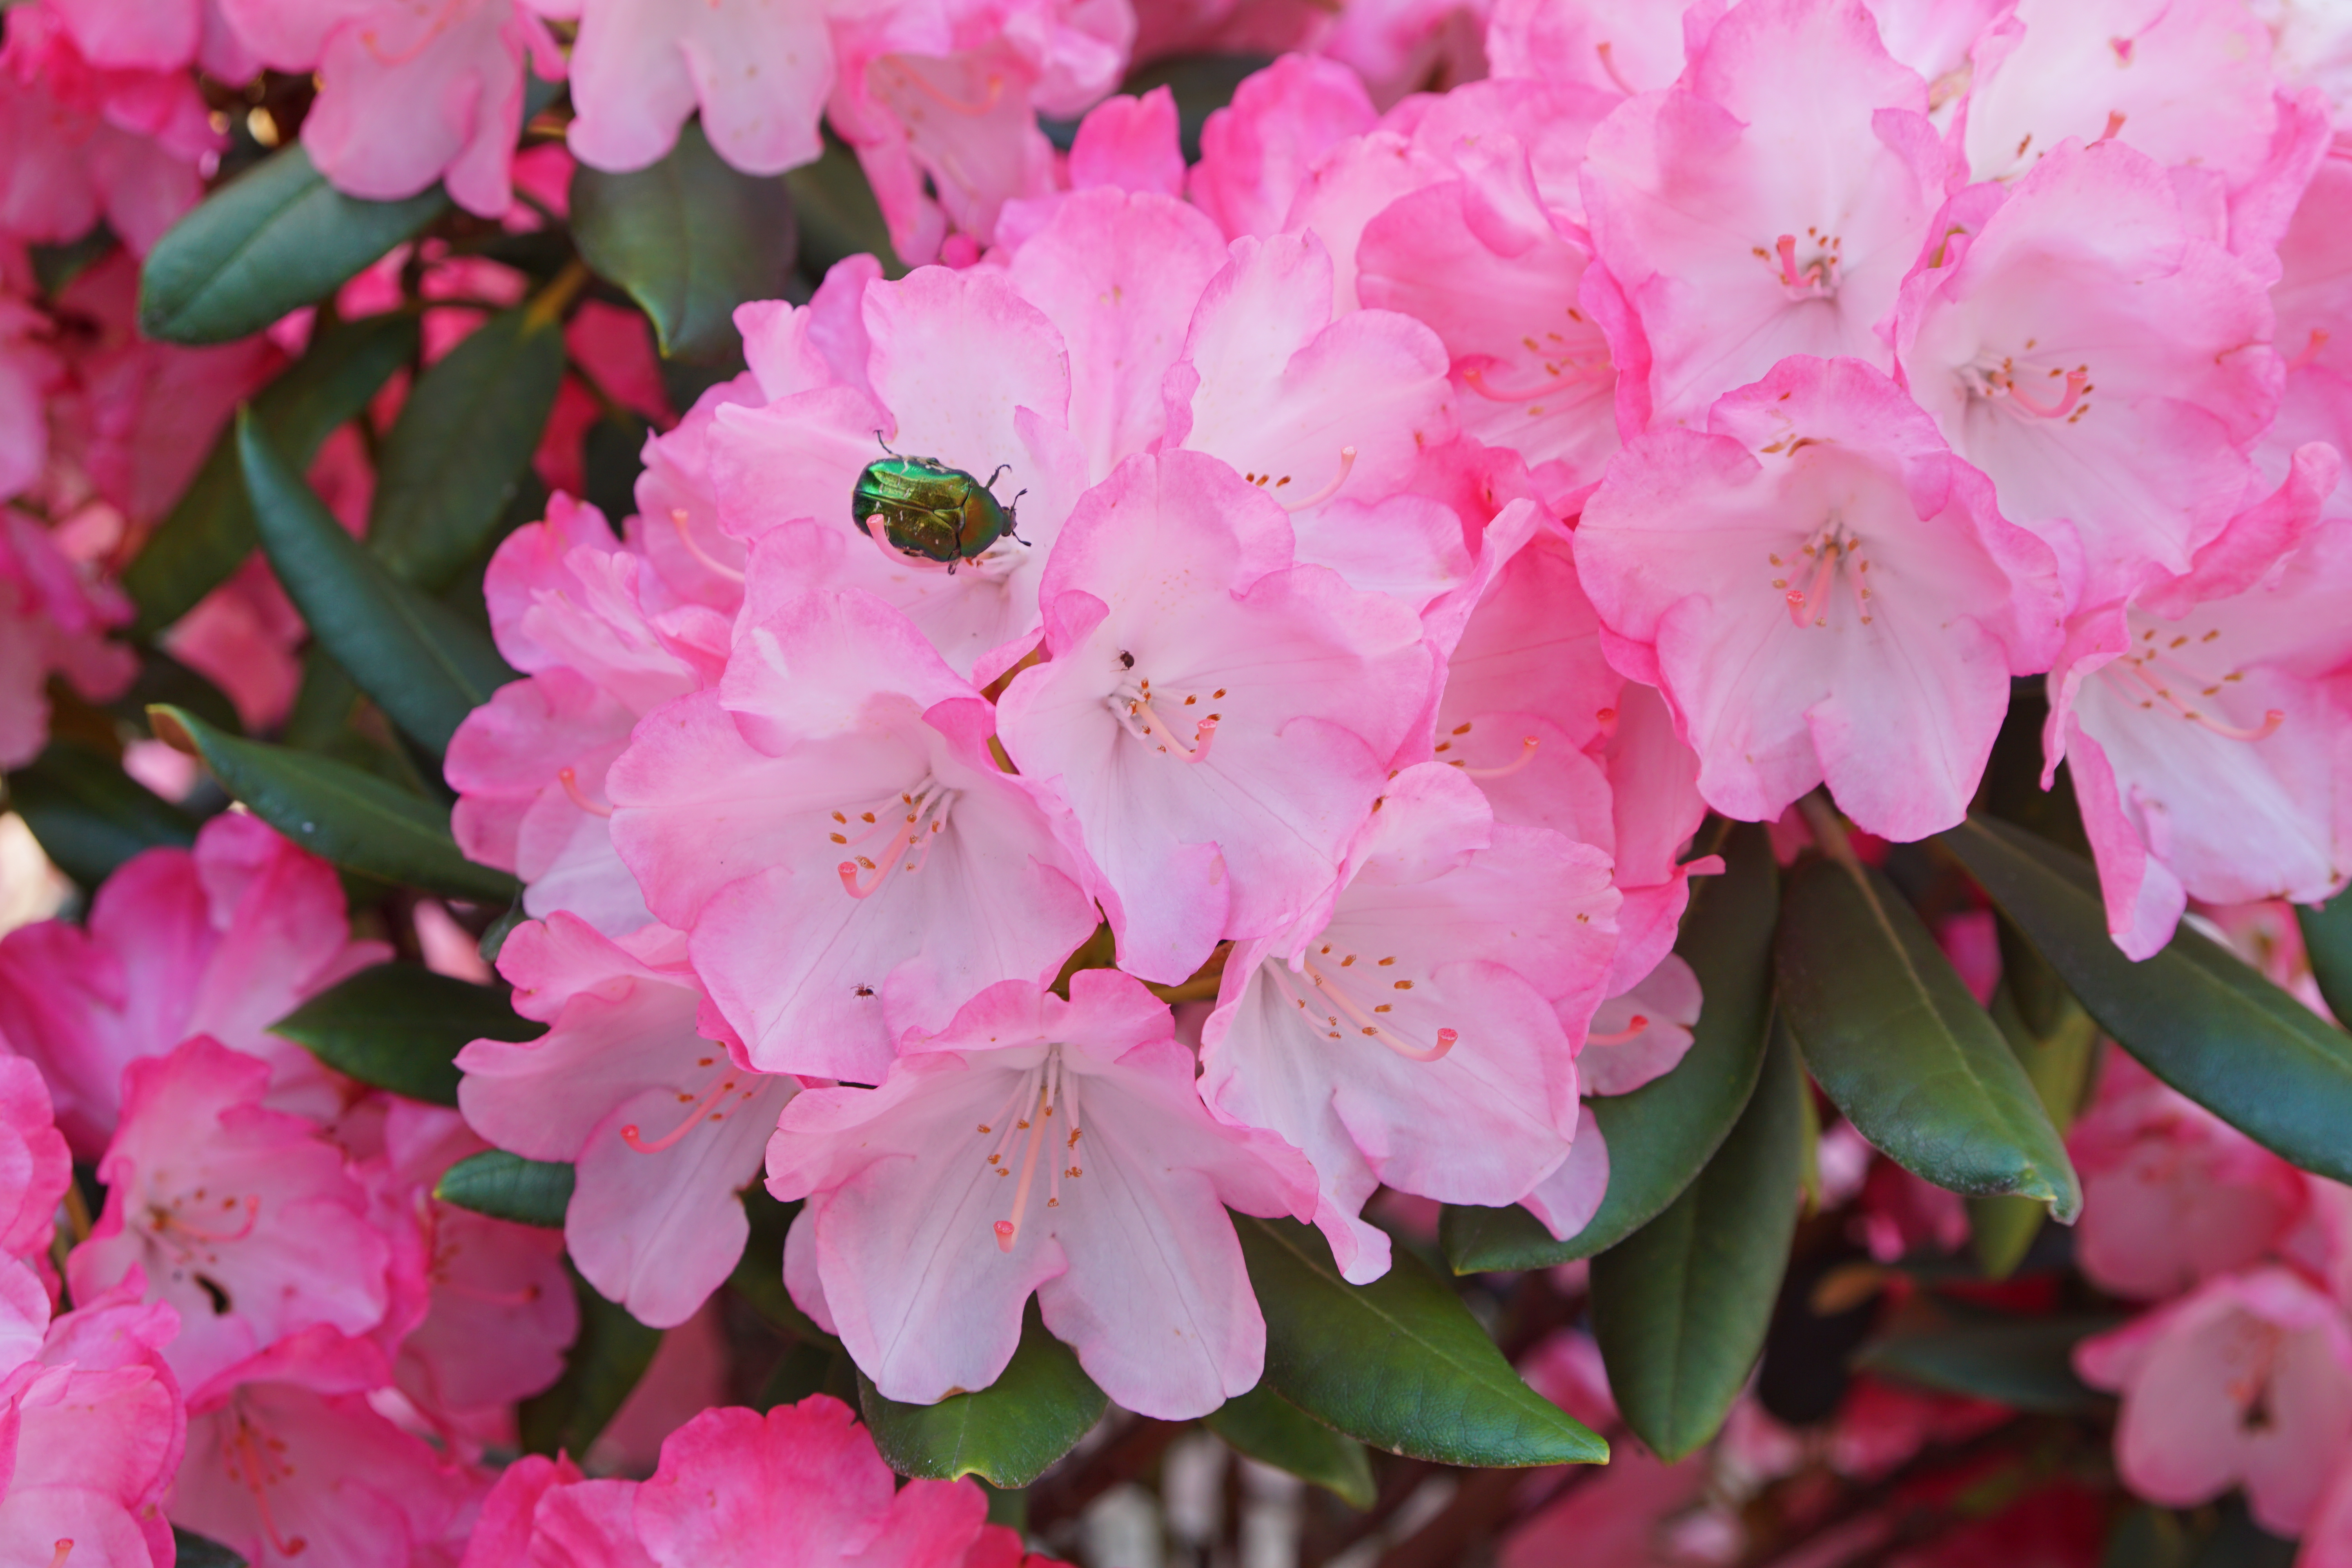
{"x": 2199, "y": 1018}
{"x": 1400, "y": 1362}
{"x": 338, "y": 812}
{"x": 604, "y": 1366}
{"x": 209, "y": 530}
{"x": 836, "y": 215}
{"x": 1267, "y": 1428}
{"x": 193, "y": 1550}
{"x": 1682, "y": 1305}
{"x": 2327, "y": 938}
{"x": 2058, "y": 1063}
{"x": 457, "y": 454}
{"x": 2146, "y": 1537}
{"x": 1662, "y": 1133}
{"x": 2025, "y": 1362}
{"x": 420, "y": 661}
{"x": 55, "y": 267}
{"x": 276, "y": 237}
{"x": 400, "y": 1027}
{"x": 1892, "y": 1037}
{"x": 1006, "y": 1434}
{"x": 690, "y": 239}
{"x": 162, "y": 679}
{"x": 759, "y": 1279}
{"x": 89, "y": 816}
{"x": 808, "y": 1369}
{"x": 507, "y": 1186}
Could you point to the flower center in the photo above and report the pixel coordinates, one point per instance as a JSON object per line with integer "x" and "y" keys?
{"x": 257, "y": 1462}
{"x": 1131, "y": 703}
{"x": 1813, "y": 275}
{"x": 2053, "y": 393}
{"x": 708, "y": 1106}
{"x": 1047, "y": 1093}
{"x": 2155, "y": 670}
{"x": 1332, "y": 982}
{"x": 1807, "y": 582}
{"x": 189, "y": 1227}
{"x": 1273, "y": 486}
{"x": 914, "y": 819}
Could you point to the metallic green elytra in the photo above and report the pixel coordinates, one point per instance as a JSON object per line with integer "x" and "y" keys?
{"x": 928, "y": 511}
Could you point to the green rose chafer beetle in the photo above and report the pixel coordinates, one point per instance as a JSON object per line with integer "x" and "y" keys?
{"x": 925, "y": 511}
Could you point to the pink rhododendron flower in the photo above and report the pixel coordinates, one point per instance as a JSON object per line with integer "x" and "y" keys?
{"x": 243, "y": 1218}
{"x": 1257, "y": 151}
{"x": 2109, "y": 373}
{"x": 1177, "y": 572}
{"x": 1408, "y": 1035}
{"x": 156, "y": 34}
{"x": 664, "y": 1124}
{"x": 1640, "y": 1034}
{"x": 221, "y": 941}
{"x": 53, "y": 621}
{"x": 2206, "y": 728}
{"x": 80, "y": 142}
{"x": 2248, "y": 1381}
{"x": 2171, "y": 1195}
{"x": 1769, "y": 203}
{"x": 408, "y": 95}
{"x": 758, "y": 73}
{"x": 36, "y": 1167}
{"x": 288, "y": 1465}
{"x": 885, "y": 870}
{"x": 1823, "y": 592}
{"x": 28, "y": 370}
{"x": 930, "y": 1221}
{"x": 799, "y": 1487}
{"x": 581, "y": 614}
{"x": 1619, "y": 47}
{"x": 91, "y": 1431}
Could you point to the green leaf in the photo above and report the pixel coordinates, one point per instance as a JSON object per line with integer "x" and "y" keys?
{"x": 1400, "y": 1362}
{"x": 1267, "y": 1428}
{"x": 338, "y": 812}
{"x": 1006, "y": 1434}
{"x": 89, "y": 816}
{"x": 836, "y": 215}
{"x": 604, "y": 1366}
{"x": 1892, "y": 1037}
{"x": 1661, "y": 1134}
{"x": 2024, "y": 1363}
{"x": 420, "y": 661}
{"x": 457, "y": 455}
{"x": 759, "y": 1279}
{"x": 2195, "y": 1015}
{"x": 1681, "y": 1306}
{"x": 193, "y": 1550}
{"x": 2327, "y": 938}
{"x": 2058, "y": 1063}
{"x": 690, "y": 239}
{"x": 209, "y": 530}
{"x": 400, "y": 1027}
{"x": 507, "y": 1186}
{"x": 276, "y": 237}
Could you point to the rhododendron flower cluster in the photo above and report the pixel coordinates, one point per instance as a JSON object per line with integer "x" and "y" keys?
{"x": 771, "y": 754}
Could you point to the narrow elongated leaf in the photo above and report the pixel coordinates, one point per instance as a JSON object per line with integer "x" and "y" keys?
{"x": 337, "y": 812}
{"x": 604, "y": 1365}
{"x": 1681, "y": 1306}
{"x": 2327, "y": 938}
{"x": 1662, "y": 1133}
{"x": 690, "y": 239}
{"x": 507, "y": 1186}
{"x": 209, "y": 530}
{"x": 463, "y": 441}
{"x": 89, "y": 816}
{"x": 2195, "y": 1015}
{"x": 2058, "y": 1062}
{"x": 2027, "y": 1363}
{"x": 1006, "y": 1434}
{"x": 1401, "y": 1362}
{"x": 420, "y": 661}
{"x": 400, "y": 1027}
{"x": 1267, "y": 1428}
{"x": 276, "y": 237}
{"x": 1894, "y": 1039}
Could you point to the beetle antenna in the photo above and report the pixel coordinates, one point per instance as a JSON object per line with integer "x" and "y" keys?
{"x": 881, "y": 443}
{"x": 1000, "y": 468}
{"x": 1013, "y": 513}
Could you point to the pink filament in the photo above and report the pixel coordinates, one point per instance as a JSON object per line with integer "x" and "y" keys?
{"x": 1528, "y": 745}
{"x": 1385, "y": 1035}
{"x": 2272, "y": 718}
{"x": 1346, "y": 466}
{"x": 1477, "y": 377}
{"x": 252, "y": 1215}
{"x": 2076, "y": 381}
{"x": 1203, "y": 732}
{"x": 571, "y": 781}
{"x": 631, "y": 1136}
{"x": 1621, "y": 1035}
{"x": 2310, "y": 353}
{"x": 679, "y": 516}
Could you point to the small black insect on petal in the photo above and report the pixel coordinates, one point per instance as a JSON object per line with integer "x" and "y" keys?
{"x": 1125, "y": 659}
